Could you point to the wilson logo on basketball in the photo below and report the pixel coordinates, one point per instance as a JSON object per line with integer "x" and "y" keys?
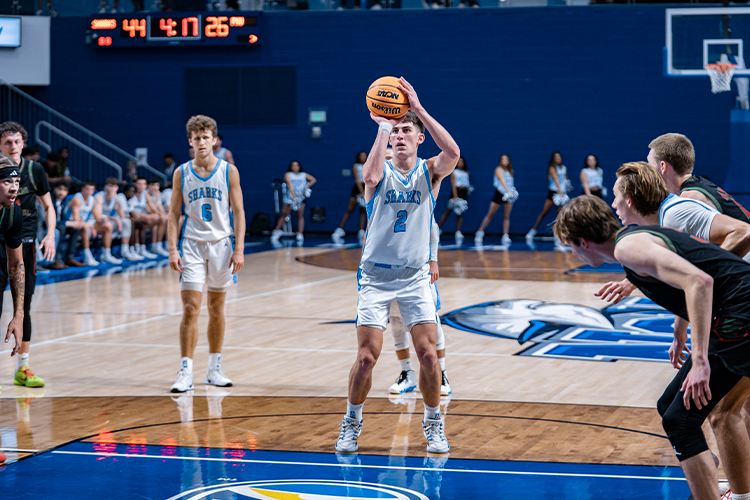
{"x": 386, "y": 110}
{"x": 388, "y": 94}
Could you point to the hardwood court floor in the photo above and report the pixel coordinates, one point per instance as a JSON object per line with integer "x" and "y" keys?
{"x": 108, "y": 349}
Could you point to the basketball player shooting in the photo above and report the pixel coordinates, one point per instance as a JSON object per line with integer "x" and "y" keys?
{"x": 400, "y": 196}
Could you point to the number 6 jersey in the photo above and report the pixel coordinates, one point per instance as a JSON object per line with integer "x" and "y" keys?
{"x": 399, "y": 218}
{"x": 205, "y": 201}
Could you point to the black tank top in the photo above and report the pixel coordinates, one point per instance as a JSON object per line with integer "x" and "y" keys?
{"x": 731, "y": 274}
{"x": 722, "y": 200}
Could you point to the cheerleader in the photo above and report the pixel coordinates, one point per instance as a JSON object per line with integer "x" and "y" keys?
{"x": 298, "y": 190}
{"x": 505, "y": 194}
{"x": 592, "y": 178}
{"x": 357, "y": 198}
{"x": 558, "y": 186}
{"x": 461, "y": 190}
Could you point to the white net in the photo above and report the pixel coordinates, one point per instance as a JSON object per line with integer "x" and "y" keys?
{"x": 721, "y": 76}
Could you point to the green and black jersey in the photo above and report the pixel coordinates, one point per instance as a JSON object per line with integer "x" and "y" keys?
{"x": 720, "y": 199}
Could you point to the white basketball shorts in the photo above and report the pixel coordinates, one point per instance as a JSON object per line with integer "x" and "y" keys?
{"x": 207, "y": 263}
{"x": 379, "y": 286}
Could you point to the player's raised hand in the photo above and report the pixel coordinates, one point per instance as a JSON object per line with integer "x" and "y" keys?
{"x": 411, "y": 94}
{"x": 379, "y": 119}
{"x": 237, "y": 262}
{"x": 175, "y": 261}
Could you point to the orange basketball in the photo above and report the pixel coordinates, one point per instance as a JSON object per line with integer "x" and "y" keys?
{"x": 385, "y": 99}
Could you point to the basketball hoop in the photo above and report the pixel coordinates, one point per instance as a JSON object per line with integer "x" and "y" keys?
{"x": 721, "y": 76}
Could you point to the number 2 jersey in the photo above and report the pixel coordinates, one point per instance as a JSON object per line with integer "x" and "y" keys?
{"x": 205, "y": 201}
{"x": 400, "y": 218}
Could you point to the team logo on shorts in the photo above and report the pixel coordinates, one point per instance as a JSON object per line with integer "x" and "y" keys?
{"x": 635, "y": 329}
{"x": 302, "y": 490}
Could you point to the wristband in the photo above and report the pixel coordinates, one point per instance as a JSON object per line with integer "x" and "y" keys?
{"x": 385, "y": 126}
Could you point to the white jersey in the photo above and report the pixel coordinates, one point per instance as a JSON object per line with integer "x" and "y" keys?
{"x": 138, "y": 203}
{"x": 85, "y": 211}
{"x": 108, "y": 207}
{"x": 221, "y": 154}
{"x": 123, "y": 201}
{"x": 461, "y": 177}
{"x": 562, "y": 174}
{"x": 208, "y": 214}
{"x": 400, "y": 219}
{"x": 156, "y": 198}
{"x": 507, "y": 177}
{"x": 166, "y": 198}
{"x": 687, "y": 215}
{"x": 594, "y": 176}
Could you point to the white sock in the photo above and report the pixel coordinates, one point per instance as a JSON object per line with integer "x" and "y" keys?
{"x": 214, "y": 361}
{"x": 431, "y": 413}
{"x": 186, "y": 364}
{"x": 441, "y": 361}
{"x": 125, "y": 248}
{"x": 153, "y": 247}
{"x": 354, "y": 411}
{"x": 137, "y": 247}
{"x": 87, "y": 253}
{"x": 405, "y": 364}
{"x": 22, "y": 360}
{"x": 106, "y": 252}
{"x": 740, "y": 496}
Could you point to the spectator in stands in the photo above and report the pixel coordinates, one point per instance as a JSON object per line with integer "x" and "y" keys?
{"x": 169, "y": 166}
{"x": 50, "y": 10}
{"x": 114, "y": 208}
{"x": 158, "y": 243}
{"x": 142, "y": 218}
{"x": 52, "y": 167}
{"x": 64, "y": 153}
{"x": 67, "y": 232}
{"x": 30, "y": 153}
{"x": 131, "y": 172}
{"x": 221, "y": 152}
{"x": 103, "y": 8}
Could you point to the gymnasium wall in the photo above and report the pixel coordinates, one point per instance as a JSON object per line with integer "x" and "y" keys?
{"x": 520, "y": 81}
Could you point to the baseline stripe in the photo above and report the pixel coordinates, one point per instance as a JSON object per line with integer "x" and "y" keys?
{"x": 314, "y": 464}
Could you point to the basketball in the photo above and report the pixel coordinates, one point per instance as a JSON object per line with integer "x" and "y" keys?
{"x": 385, "y": 99}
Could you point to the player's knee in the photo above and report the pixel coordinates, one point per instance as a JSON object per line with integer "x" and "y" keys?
{"x": 191, "y": 308}
{"x": 215, "y": 310}
{"x": 684, "y": 432}
{"x": 367, "y": 358}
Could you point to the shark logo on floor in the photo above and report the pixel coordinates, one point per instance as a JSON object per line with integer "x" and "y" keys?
{"x": 301, "y": 490}
{"x": 635, "y": 329}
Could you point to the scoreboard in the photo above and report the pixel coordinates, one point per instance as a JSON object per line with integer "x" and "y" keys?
{"x": 169, "y": 28}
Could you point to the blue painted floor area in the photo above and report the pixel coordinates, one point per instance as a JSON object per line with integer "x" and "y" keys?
{"x": 106, "y": 471}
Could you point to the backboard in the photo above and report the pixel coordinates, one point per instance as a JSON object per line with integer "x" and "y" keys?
{"x": 699, "y": 36}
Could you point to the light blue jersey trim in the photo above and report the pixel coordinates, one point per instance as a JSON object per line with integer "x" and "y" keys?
{"x": 428, "y": 178}
{"x": 216, "y": 168}
{"x": 398, "y": 174}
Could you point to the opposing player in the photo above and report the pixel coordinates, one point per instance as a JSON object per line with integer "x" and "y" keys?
{"x": 33, "y": 187}
{"x": 221, "y": 152}
{"x": 210, "y": 251}
{"x": 685, "y": 276}
{"x": 114, "y": 206}
{"x": 400, "y": 196}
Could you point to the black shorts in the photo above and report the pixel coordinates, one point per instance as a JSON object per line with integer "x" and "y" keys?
{"x": 463, "y": 193}
{"x": 597, "y": 192}
{"x": 355, "y": 191}
{"x": 29, "y": 263}
{"x": 498, "y": 198}
{"x": 551, "y": 194}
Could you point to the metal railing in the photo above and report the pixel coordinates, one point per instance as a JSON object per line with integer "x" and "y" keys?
{"x": 91, "y": 156}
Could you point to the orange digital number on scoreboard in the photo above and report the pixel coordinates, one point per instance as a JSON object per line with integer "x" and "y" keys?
{"x": 166, "y": 25}
{"x": 186, "y": 30}
{"x": 133, "y": 25}
{"x": 104, "y": 41}
{"x": 216, "y": 26}
{"x": 103, "y": 24}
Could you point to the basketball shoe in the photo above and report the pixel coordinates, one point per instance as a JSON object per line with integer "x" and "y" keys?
{"x": 216, "y": 377}
{"x": 459, "y": 238}
{"x": 350, "y": 429}
{"x": 436, "y": 440}
{"x": 184, "y": 382}
{"x": 26, "y": 378}
{"x": 530, "y": 236}
{"x": 338, "y": 234}
{"x": 479, "y": 238}
{"x": 506, "y": 240}
{"x": 445, "y": 386}
{"x": 145, "y": 253}
{"x": 276, "y": 234}
{"x": 406, "y": 382}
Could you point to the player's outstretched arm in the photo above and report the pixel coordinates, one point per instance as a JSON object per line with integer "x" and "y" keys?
{"x": 238, "y": 212}
{"x": 173, "y": 221}
{"x": 446, "y": 161}
{"x": 17, "y": 279}
{"x": 646, "y": 255}
{"x": 733, "y": 235}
